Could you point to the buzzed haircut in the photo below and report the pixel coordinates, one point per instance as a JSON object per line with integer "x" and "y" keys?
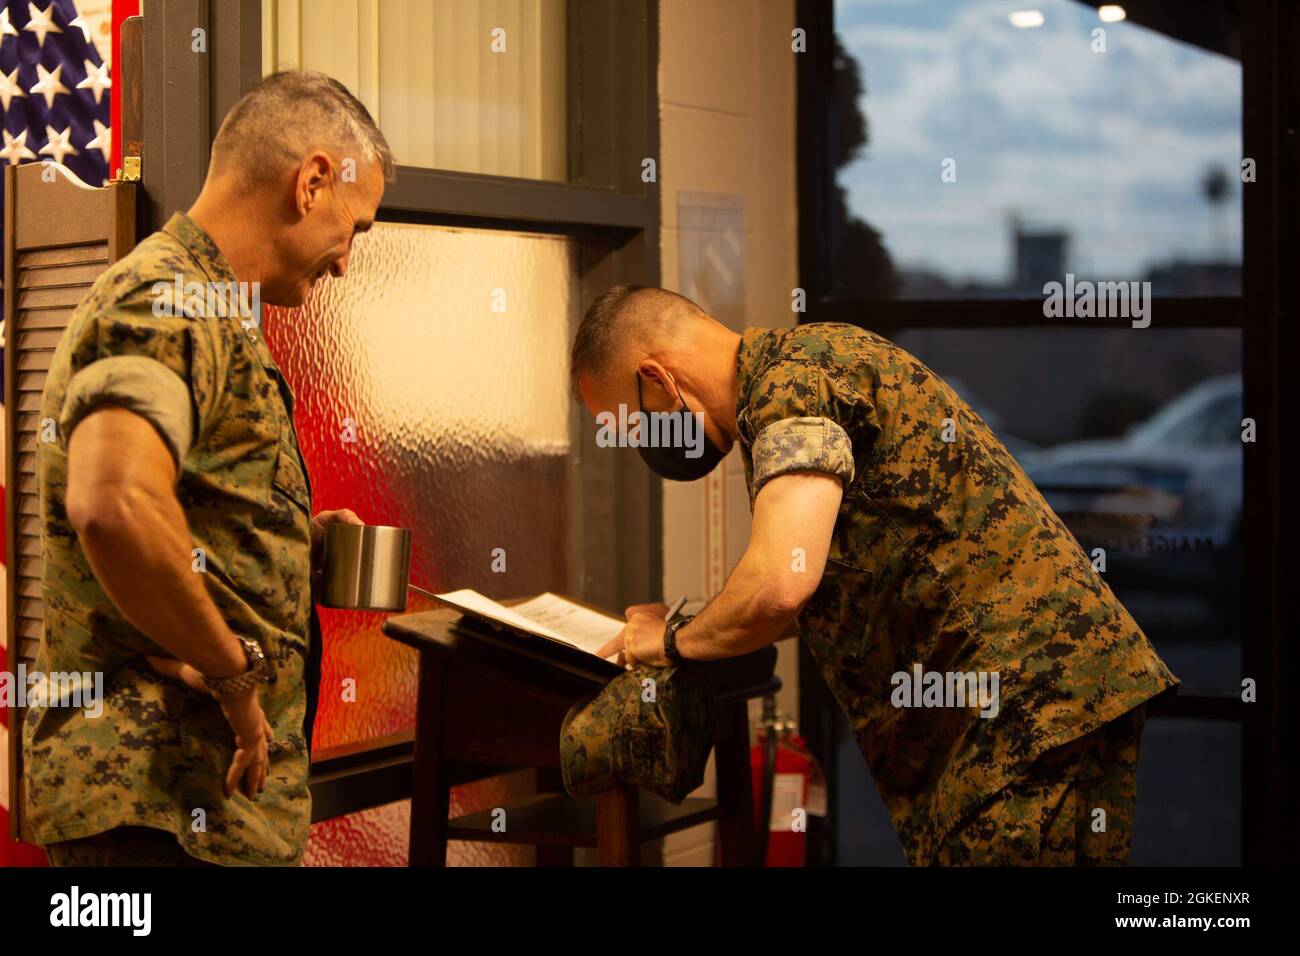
{"x": 289, "y": 114}
{"x": 623, "y": 314}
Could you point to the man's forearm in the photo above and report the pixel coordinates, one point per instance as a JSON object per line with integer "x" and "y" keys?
{"x": 139, "y": 546}
{"x": 749, "y": 613}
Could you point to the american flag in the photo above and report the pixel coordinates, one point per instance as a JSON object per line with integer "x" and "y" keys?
{"x": 54, "y": 96}
{"x": 54, "y": 89}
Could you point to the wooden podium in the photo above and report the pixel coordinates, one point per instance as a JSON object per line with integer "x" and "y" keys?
{"x": 489, "y": 699}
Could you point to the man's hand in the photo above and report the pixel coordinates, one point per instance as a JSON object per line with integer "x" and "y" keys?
{"x": 243, "y": 712}
{"x": 660, "y": 609}
{"x": 318, "y": 523}
{"x": 642, "y": 640}
{"x": 251, "y": 762}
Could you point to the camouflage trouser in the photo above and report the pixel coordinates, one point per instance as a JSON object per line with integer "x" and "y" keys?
{"x": 122, "y": 846}
{"x": 1049, "y": 817}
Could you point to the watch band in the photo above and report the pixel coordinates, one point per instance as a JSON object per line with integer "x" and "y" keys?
{"x": 257, "y": 673}
{"x": 670, "y": 636}
{"x": 224, "y": 687}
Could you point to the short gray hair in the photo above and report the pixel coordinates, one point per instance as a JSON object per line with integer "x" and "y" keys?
{"x": 286, "y": 115}
{"x": 620, "y": 315}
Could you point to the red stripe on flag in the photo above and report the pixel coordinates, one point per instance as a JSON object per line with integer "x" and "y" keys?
{"x": 121, "y": 10}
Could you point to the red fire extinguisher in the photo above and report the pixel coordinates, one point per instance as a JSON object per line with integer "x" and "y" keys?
{"x": 788, "y": 788}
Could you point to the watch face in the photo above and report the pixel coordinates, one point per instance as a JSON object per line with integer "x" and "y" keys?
{"x": 256, "y": 659}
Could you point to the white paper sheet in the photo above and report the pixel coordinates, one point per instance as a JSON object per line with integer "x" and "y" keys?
{"x": 547, "y": 614}
{"x": 581, "y": 626}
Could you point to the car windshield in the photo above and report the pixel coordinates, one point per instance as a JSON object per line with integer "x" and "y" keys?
{"x": 1196, "y": 419}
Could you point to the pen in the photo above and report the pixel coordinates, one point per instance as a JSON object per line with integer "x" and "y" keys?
{"x": 676, "y": 607}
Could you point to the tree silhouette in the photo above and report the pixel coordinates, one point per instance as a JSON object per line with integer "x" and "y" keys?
{"x": 863, "y": 268}
{"x": 1214, "y": 187}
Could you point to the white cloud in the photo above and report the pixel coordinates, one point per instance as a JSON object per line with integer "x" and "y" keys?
{"x": 1038, "y": 124}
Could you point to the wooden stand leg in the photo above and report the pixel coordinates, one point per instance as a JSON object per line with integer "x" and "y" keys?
{"x": 618, "y": 827}
{"x": 550, "y": 780}
{"x": 430, "y": 780}
{"x": 735, "y": 787}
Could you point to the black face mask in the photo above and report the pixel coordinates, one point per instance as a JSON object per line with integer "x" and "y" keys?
{"x": 671, "y": 462}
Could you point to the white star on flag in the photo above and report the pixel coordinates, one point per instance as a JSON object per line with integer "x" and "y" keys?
{"x": 9, "y": 88}
{"x": 96, "y": 79}
{"x": 49, "y": 85}
{"x": 41, "y": 22}
{"x": 81, "y": 24}
{"x": 103, "y": 140}
{"x": 6, "y": 28}
{"x": 16, "y": 148}
{"x": 59, "y": 144}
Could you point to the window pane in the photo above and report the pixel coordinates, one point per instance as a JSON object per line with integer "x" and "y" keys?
{"x": 975, "y": 158}
{"x": 473, "y": 87}
{"x": 1188, "y": 798}
{"x": 1141, "y": 456}
{"x": 1188, "y": 794}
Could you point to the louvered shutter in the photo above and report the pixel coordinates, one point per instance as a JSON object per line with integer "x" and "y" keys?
{"x": 59, "y": 236}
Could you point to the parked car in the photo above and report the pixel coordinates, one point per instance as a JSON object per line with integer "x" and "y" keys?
{"x": 1163, "y": 501}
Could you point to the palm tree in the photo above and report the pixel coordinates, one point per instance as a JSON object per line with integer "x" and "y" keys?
{"x": 1214, "y": 187}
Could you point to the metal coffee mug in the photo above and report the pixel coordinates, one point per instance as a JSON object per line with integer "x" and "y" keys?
{"x": 366, "y": 567}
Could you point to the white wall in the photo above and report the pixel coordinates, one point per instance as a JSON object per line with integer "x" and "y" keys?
{"x": 727, "y": 172}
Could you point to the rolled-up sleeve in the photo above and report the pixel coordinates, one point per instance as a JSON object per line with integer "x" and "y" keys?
{"x": 140, "y": 384}
{"x": 807, "y": 417}
{"x": 143, "y": 355}
{"x": 802, "y": 444}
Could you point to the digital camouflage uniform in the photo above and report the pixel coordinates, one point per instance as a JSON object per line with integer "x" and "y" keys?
{"x": 943, "y": 554}
{"x": 123, "y": 846}
{"x": 649, "y": 726}
{"x": 1072, "y": 807}
{"x": 160, "y": 751}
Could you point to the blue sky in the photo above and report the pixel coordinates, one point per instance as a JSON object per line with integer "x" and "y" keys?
{"x": 1110, "y": 146}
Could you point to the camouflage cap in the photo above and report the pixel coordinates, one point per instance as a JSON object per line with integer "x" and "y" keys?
{"x": 649, "y": 726}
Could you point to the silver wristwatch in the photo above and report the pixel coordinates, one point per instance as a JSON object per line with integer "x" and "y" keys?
{"x": 259, "y": 672}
